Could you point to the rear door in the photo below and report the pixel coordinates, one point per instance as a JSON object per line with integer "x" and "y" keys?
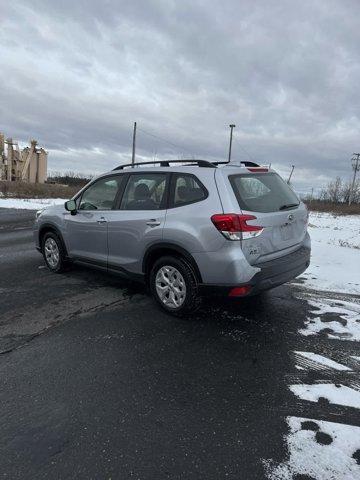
{"x": 277, "y": 209}
{"x": 191, "y": 204}
{"x": 138, "y": 221}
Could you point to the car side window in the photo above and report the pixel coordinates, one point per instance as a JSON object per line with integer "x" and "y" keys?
{"x": 144, "y": 191}
{"x": 101, "y": 194}
{"x": 187, "y": 189}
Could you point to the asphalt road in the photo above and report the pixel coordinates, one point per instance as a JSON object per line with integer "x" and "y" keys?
{"x": 97, "y": 383}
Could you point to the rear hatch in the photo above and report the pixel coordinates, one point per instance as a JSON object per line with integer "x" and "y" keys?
{"x": 277, "y": 210}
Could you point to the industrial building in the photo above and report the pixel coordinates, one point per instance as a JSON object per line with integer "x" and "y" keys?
{"x": 22, "y": 165}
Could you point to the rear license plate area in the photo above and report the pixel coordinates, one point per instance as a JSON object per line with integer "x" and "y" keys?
{"x": 286, "y": 232}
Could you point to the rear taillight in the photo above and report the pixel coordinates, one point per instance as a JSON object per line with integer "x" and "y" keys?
{"x": 235, "y": 227}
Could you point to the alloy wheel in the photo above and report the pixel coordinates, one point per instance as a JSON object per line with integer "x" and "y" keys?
{"x": 170, "y": 286}
{"x": 52, "y": 253}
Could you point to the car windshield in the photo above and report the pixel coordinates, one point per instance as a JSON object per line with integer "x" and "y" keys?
{"x": 263, "y": 192}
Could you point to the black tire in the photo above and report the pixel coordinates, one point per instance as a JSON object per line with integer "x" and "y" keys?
{"x": 192, "y": 300}
{"x": 60, "y": 265}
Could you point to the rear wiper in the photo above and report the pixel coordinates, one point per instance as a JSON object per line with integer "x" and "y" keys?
{"x": 289, "y": 205}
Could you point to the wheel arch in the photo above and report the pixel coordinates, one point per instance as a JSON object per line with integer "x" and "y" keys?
{"x": 50, "y": 227}
{"x": 158, "y": 250}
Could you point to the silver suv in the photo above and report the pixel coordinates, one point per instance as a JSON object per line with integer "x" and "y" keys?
{"x": 185, "y": 228}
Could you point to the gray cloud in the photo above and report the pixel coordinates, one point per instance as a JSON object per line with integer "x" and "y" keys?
{"x": 76, "y": 75}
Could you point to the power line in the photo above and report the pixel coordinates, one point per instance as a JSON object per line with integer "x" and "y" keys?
{"x": 243, "y": 149}
{"x": 164, "y": 140}
{"x": 183, "y": 149}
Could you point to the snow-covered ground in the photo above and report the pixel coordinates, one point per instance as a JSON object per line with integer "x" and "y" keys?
{"x": 314, "y": 361}
{"x": 338, "y": 394}
{"x": 337, "y": 319}
{"x": 319, "y": 450}
{"x": 30, "y": 203}
{"x": 335, "y": 256}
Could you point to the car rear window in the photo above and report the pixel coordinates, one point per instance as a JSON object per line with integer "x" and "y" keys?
{"x": 263, "y": 192}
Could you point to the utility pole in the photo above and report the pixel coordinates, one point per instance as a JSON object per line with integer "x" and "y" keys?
{"x": 133, "y": 146}
{"x": 292, "y": 169}
{"x": 232, "y": 126}
{"x": 356, "y": 167}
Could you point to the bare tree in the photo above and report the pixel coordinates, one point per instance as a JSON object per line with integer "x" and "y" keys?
{"x": 338, "y": 191}
{"x": 332, "y": 192}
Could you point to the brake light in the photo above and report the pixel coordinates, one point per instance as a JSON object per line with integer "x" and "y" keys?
{"x": 235, "y": 227}
{"x": 258, "y": 169}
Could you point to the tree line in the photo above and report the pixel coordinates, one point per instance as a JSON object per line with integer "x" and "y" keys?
{"x": 338, "y": 191}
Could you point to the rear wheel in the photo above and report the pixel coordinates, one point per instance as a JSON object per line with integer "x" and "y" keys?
{"x": 53, "y": 252}
{"x": 174, "y": 285}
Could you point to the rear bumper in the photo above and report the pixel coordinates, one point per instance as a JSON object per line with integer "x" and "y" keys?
{"x": 272, "y": 274}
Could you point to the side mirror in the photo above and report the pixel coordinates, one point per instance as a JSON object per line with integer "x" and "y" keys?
{"x": 70, "y": 206}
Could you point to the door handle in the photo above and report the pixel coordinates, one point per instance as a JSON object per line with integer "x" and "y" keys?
{"x": 153, "y": 223}
{"x": 102, "y": 220}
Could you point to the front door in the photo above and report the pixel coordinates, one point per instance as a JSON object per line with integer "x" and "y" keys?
{"x": 139, "y": 222}
{"x": 87, "y": 231}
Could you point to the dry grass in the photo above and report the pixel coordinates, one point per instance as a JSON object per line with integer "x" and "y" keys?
{"x": 337, "y": 208}
{"x": 36, "y": 190}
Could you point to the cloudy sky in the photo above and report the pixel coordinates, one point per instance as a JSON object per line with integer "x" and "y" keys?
{"x": 76, "y": 74}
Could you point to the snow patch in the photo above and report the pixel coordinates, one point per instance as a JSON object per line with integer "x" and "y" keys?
{"x": 30, "y": 203}
{"x": 346, "y": 327}
{"x": 335, "y": 255}
{"x": 326, "y": 362}
{"x": 308, "y": 456}
{"x": 338, "y": 394}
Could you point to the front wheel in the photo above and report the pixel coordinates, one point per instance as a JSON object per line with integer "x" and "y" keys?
{"x": 53, "y": 252}
{"x": 174, "y": 286}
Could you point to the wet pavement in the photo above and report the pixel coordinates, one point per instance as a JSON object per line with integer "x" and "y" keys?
{"x": 98, "y": 383}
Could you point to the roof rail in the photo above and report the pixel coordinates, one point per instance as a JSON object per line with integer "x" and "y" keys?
{"x": 166, "y": 163}
{"x": 246, "y": 164}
